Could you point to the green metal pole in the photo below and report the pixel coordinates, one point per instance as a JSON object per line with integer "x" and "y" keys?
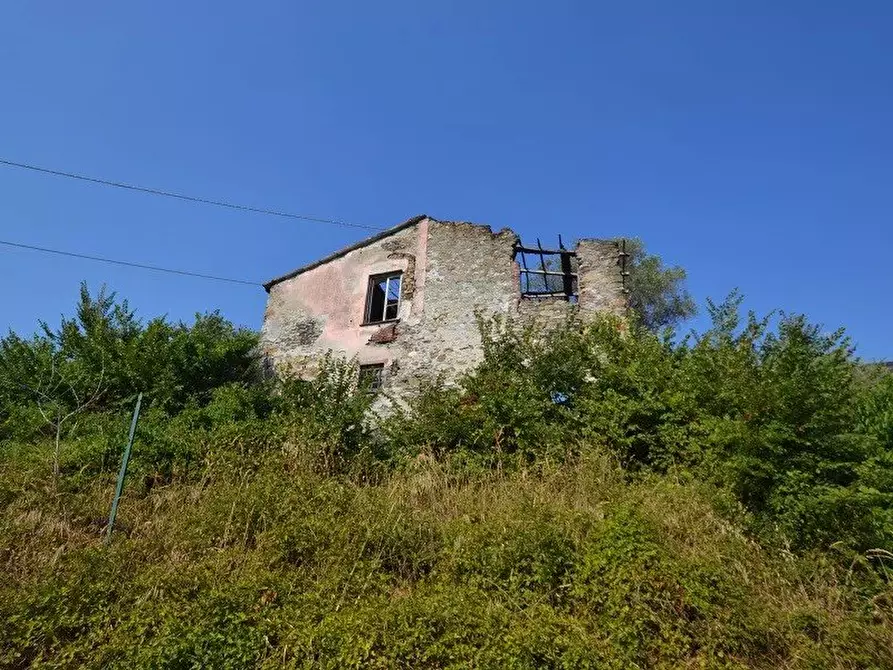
{"x": 123, "y": 473}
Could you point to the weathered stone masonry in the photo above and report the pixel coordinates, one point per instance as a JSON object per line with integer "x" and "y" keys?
{"x": 450, "y": 272}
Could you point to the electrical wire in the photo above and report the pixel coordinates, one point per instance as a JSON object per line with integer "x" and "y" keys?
{"x": 141, "y": 266}
{"x": 188, "y": 198}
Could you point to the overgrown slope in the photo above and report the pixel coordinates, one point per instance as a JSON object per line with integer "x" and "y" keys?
{"x": 596, "y": 496}
{"x": 272, "y": 565}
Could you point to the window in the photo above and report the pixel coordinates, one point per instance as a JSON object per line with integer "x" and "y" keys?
{"x": 383, "y": 299}
{"x": 547, "y": 274}
{"x": 371, "y": 377}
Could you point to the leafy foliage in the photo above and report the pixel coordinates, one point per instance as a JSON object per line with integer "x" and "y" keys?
{"x": 657, "y": 293}
{"x": 776, "y": 416}
{"x": 106, "y": 346}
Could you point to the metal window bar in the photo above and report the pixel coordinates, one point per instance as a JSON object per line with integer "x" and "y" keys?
{"x": 624, "y": 273}
{"x": 371, "y": 377}
{"x": 554, "y": 278}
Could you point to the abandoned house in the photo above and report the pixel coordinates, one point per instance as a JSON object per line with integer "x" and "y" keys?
{"x": 404, "y": 302}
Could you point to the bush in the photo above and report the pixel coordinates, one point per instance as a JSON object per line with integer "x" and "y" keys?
{"x": 780, "y": 417}
{"x": 102, "y": 358}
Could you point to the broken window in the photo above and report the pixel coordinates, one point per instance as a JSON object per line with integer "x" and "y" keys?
{"x": 371, "y": 377}
{"x": 383, "y": 299}
{"x": 547, "y": 273}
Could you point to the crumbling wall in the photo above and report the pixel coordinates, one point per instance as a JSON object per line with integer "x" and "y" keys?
{"x": 452, "y": 273}
{"x": 600, "y": 278}
{"x": 470, "y": 271}
{"x": 599, "y": 284}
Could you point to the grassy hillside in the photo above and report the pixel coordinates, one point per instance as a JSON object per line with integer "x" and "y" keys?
{"x": 271, "y": 565}
{"x": 598, "y": 496}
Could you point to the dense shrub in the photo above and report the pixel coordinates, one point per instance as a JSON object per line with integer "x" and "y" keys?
{"x": 782, "y": 417}
{"x": 591, "y": 495}
{"x": 100, "y": 359}
{"x": 202, "y": 386}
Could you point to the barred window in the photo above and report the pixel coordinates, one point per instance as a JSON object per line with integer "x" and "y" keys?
{"x": 547, "y": 274}
{"x": 371, "y": 377}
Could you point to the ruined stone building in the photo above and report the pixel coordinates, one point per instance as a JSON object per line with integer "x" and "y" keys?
{"x": 404, "y": 302}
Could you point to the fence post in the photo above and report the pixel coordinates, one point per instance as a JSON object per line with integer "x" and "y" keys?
{"x": 123, "y": 472}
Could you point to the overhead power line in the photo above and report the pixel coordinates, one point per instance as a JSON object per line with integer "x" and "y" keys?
{"x": 188, "y": 198}
{"x": 141, "y": 266}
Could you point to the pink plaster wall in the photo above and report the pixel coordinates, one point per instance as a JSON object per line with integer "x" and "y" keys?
{"x": 335, "y": 295}
{"x": 421, "y": 269}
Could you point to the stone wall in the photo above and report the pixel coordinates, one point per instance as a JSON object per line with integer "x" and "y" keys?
{"x": 600, "y": 279}
{"x": 470, "y": 271}
{"x": 453, "y": 272}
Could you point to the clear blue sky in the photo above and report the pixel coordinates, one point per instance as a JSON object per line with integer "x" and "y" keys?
{"x": 750, "y": 142}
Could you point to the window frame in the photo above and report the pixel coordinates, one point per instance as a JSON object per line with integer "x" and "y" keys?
{"x": 568, "y": 274}
{"x": 370, "y": 285}
{"x": 374, "y": 372}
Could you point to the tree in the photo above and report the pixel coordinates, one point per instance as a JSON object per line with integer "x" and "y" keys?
{"x": 657, "y": 293}
{"x": 60, "y": 386}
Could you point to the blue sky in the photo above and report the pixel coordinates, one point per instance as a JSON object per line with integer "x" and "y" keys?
{"x": 750, "y": 142}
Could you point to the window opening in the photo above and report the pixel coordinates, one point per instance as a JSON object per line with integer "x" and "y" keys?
{"x": 371, "y": 377}
{"x": 383, "y": 299}
{"x": 548, "y": 273}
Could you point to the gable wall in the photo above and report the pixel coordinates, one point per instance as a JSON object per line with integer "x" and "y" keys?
{"x": 322, "y": 309}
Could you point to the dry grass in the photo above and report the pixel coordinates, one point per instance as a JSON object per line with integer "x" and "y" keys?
{"x": 561, "y": 566}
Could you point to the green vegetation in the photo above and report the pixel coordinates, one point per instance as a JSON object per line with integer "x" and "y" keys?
{"x": 599, "y": 496}
{"x": 656, "y": 293}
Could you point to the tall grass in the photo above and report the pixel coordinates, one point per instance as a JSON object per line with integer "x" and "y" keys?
{"x": 279, "y": 565}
